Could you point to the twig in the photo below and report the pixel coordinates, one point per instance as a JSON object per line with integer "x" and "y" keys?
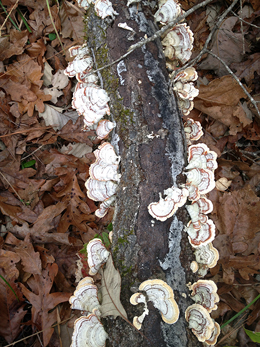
{"x": 8, "y": 15}
{"x": 242, "y": 28}
{"x": 52, "y": 22}
{"x": 37, "y": 149}
{"x": 37, "y": 333}
{"x": 12, "y": 188}
{"x": 158, "y": 33}
{"x": 27, "y": 130}
{"x": 237, "y": 79}
{"x": 204, "y": 49}
{"x": 253, "y": 25}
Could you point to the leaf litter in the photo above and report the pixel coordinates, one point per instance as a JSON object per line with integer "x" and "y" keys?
{"x": 45, "y": 213}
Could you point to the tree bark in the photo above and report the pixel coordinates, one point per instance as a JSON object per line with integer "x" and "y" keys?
{"x": 150, "y": 140}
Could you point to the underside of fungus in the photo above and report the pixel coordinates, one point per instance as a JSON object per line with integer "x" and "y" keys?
{"x": 88, "y": 332}
{"x": 162, "y": 297}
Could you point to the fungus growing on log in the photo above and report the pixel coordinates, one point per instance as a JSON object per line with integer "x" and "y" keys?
{"x": 200, "y": 322}
{"x": 162, "y": 297}
{"x": 207, "y": 257}
{"x": 165, "y": 208}
{"x": 167, "y": 12}
{"x": 85, "y": 297}
{"x": 88, "y": 332}
{"x": 204, "y": 292}
{"x": 201, "y": 234}
{"x": 136, "y": 299}
{"x": 104, "y": 9}
{"x": 104, "y": 127}
{"x": 214, "y": 336}
{"x": 178, "y": 43}
{"x": 97, "y": 255}
{"x": 199, "y": 156}
{"x": 203, "y": 179}
{"x": 193, "y": 130}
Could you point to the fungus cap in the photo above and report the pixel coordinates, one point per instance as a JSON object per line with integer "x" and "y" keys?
{"x": 162, "y": 297}
{"x": 199, "y": 321}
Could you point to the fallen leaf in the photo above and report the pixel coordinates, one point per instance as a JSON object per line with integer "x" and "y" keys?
{"x": 72, "y": 23}
{"x": 31, "y": 261}
{"x": 110, "y": 290}
{"x": 76, "y": 149}
{"x": 18, "y": 40}
{"x": 247, "y": 68}
{"x": 227, "y": 45}
{"x": 53, "y": 116}
{"x": 75, "y": 133}
{"x": 43, "y": 301}
{"x": 223, "y": 184}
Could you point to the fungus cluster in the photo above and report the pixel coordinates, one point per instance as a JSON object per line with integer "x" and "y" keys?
{"x": 178, "y": 44}
{"x": 88, "y": 330}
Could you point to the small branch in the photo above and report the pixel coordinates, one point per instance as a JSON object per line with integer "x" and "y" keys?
{"x": 253, "y": 25}
{"x": 237, "y": 79}
{"x": 158, "y": 33}
{"x": 37, "y": 149}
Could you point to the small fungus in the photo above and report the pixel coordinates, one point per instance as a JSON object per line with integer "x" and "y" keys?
{"x": 199, "y": 321}
{"x": 97, "y": 255}
{"x": 204, "y": 292}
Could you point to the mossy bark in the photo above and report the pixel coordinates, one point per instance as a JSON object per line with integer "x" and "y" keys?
{"x": 150, "y": 140}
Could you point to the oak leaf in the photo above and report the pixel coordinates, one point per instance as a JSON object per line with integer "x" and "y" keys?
{"x": 43, "y": 301}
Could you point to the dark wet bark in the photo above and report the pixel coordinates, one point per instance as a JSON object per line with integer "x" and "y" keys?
{"x": 149, "y": 138}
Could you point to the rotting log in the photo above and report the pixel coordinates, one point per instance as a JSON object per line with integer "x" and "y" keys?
{"x": 149, "y": 138}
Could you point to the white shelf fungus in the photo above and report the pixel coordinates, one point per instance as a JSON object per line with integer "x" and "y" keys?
{"x": 167, "y": 12}
{"x": 97, "y": 255}
{"x": 88, "y": 332}
{"x": 214, "y": 335}
{"x": 165, "y": 208}
{"x": 104, "y": 9}
{"x": 206, "y": 257}
{"x": 162, "y": 297}
{"x": 193, "y": 130}
{"x": 204, "y": 292}
{"x": 199, "y": 321}
{"x": 186, "y": 91}
{"x": 104, "y": 206}
{"x": 104, "y": 127}
{"x": 199, "y": 156}
{"x": 178, "y": 43}
{"x": 136, "y": 299}
{"x": 85, "y": 297}
{"x": 203, "y": 234}
{"x": 203, "y": 179}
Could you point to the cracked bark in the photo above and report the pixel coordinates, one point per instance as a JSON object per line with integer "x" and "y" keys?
{"x": 150, "y": 140}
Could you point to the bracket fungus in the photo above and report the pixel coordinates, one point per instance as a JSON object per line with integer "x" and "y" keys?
{"x": 97, "y": 255}
{"x": 88, "y": 332}
{"x": 162, "y": 297}
{"x": 198, "y": 209}
{"x": 204, "y": 293}
{"x": 178, "y": 43}
{"x": 100, "y": 190}
{"x": 104, "y": 206}
{"x": 136, "y": 299}
{"x": 104, "y": 127}
{"x": 207, "y": 257}
{"x": 82, "y": 62}
{"x": 186, "y": 106}
{"x": 165, "y": 208}
{"x": 193, "y": 130}
{"x": 187, "y": 75}
{"x": 201, "y": 234}
{"x": 104, "y": 9}
{"x": 199, "y": 321}
{"x": 85, "y": 297}
{"x": 199, "y": 156}
{"x": 203, "y": 179}
{"x": 186, "y": 91}
{"x": 214, "y": 335}
{"x": 106, "y": 153}
{"x": 168, "y": 11}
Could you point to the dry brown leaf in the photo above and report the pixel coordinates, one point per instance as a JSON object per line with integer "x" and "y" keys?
{"x": 30, "y": 259}
{"x": 18, "y": 40}
{"x": 12, "y": 312}
{"x": 43, "y": 301}
{"x": 72, "y": 23}
{"x": 228, "y": 45}
{"x": 110, "y": 290}
{"x": 247, "y": 68}
{"x": 220, "y": 100}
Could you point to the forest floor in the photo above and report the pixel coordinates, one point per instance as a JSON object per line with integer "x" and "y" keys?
{"x": 46, "y": 216}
